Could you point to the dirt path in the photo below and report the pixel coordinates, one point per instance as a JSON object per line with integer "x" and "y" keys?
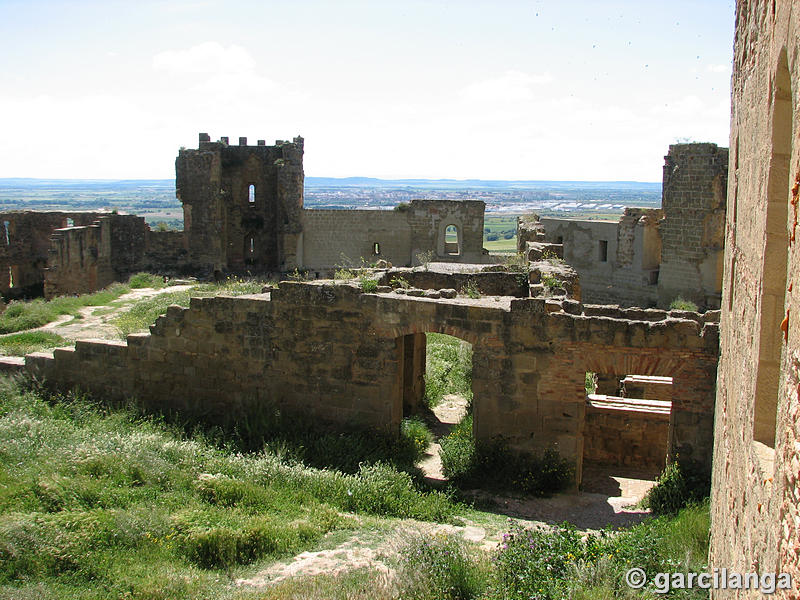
{"x": 607, "y": 498}
{"x": 94, "y": 322}
{"x": 447, "y": 414}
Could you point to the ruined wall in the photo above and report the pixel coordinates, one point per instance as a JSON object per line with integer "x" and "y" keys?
{"x": 228, "y": 226}
{"x": 332, "y": 352}
{"x": 87, "y": 258}
{"x": 755, "y": 504}
{"x": 692, "y": 234}
{"x": 25, "y": 245}
{"x": 617, "y": 262}
{"x": 79, "y": 260}
{"x": 332, "y": 236}
{"x": 488, "y": 283}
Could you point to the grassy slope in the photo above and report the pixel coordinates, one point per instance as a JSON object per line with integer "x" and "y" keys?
{"x": 99, "y": 504}
{"x": 145, "y": 312}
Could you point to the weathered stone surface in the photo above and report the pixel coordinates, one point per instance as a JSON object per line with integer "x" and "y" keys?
{"x": 755, "y": 504}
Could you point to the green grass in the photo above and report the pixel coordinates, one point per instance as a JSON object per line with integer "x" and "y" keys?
{"x": 22, "y": 315}
{"x": 98, "y": 503}
{"x": 448, "y": 369}
{"x": 20, "y": 344}
{"x": 145, "y": 312}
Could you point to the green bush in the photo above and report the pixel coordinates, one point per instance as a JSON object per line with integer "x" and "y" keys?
{"x": 458, "y": 450}
{"x": 559, "y": 562}
{"x": 494, "y": 465}
{"x": 223, "y": 547}
{"x": 399, "y": 282}
{"x": 550, "y": 281}
{"x": 20, "y": 344}
{"x": 471, "y": 290}
{"x": 146, "y": 280}
{"x": 533, "y": 562}
{"x": 682, "y": 304}
{"x": 417, "y": 434}
{"x": 367, "y": 283}
{"x": 680, "y": 484}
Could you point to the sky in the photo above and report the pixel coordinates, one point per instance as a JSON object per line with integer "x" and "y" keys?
{"x": 550, "y": 89}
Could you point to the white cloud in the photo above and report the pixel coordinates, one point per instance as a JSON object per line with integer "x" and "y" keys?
{"x": 511, "y": 86}
{"x": 206, "y": 58}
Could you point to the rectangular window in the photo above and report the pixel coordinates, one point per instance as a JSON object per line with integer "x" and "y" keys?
{"x": 603, "y": 254}
{"x": 376, "y": 248}
{"x": 251, "y": 194}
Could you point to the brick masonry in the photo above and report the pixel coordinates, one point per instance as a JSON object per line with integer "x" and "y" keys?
{"x": 755, "y": 504}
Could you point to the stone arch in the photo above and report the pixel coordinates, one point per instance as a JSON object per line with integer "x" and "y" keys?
{"x": 445, "y": 248}
{"x": 411, "y": 353}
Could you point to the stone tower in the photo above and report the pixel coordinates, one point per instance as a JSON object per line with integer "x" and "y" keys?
{"x": 693, "y": 230}
{"x": 242, "y": 205}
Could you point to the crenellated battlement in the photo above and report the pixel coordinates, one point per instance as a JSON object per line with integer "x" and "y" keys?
{"x": 204, "y": 143}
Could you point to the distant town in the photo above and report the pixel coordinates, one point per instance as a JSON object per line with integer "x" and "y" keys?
{"x": 155, "y": 199}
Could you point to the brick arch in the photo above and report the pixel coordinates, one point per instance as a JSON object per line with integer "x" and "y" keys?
{"x": 636, "y": 362}
{"x": 473, "y": 337}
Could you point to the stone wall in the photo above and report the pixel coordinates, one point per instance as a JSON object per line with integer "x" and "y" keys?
{"x": 79, "y": 261}
{"x": 628, "y": 434}
{"x": 165, "y": 252}
{"x": 755, "y": 504}
{"x": 331, "y": 352}
{"x": 488, "y": 283}
{"x": 693, "y": 232}
{"x": 334, "y": 238}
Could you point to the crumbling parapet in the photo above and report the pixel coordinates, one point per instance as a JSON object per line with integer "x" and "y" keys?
{"x": 330, "y": 351}
{"x": 84, "y": 259}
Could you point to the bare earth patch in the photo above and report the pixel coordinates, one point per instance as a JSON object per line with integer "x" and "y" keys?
{"x": 358, "y": 552}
